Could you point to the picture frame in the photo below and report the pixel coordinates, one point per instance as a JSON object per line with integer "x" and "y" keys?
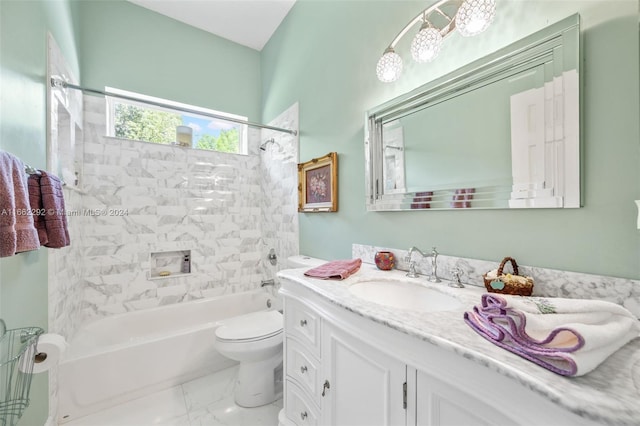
{"x": 318, "y": 184}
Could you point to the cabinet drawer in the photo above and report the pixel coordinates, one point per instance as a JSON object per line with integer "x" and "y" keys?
{"x": 298, "y": 408}
{"x": 303, "y": 323}
{"x": 303, "y": 367}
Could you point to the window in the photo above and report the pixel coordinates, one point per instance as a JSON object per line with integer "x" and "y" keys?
{"x": 147, "y": 122}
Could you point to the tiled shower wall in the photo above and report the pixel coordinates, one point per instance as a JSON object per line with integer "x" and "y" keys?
{"x": 143, "y": 198}
{"x": 279, "y": 183}
{"x": 64, "y": 155}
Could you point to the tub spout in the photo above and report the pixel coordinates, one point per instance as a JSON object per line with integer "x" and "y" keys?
{"x": 270, "y": 282}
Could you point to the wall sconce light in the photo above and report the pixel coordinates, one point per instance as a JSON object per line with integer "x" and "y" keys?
{"x": 438, "y": 21}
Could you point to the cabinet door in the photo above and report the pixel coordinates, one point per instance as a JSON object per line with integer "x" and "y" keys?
{"x": 443, "y": 404}
{"x": 361, "y": 385}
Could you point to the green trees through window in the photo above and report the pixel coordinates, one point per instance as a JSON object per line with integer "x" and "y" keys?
{"x": 158, "y": 126}
{"x": 133, "y": 122}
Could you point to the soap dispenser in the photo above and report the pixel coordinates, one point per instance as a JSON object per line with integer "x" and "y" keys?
{"x": 186, "y": 264}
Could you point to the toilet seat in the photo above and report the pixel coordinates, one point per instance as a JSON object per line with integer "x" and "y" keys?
{"x": 251, "y": 327}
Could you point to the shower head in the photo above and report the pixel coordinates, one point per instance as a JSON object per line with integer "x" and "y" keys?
{"x": 263, "y": 146}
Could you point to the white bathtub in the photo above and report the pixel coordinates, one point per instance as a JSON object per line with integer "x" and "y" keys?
{"x": 127, "y": 356}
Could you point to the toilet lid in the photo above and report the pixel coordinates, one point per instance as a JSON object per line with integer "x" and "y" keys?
{"x": 253, "y": 326}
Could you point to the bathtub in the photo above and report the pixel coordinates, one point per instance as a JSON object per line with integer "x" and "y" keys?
{"x": 126, "y": 356}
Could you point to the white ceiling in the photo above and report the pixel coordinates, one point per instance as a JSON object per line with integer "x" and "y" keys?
{"x": 247, "y": 22}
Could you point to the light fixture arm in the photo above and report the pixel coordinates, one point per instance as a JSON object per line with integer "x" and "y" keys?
{"x": 471, "y": 17}
{"x": 422, "y": 16}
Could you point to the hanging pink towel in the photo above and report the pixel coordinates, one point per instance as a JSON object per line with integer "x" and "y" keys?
{"x": 335, "y": 270}
{"x": 55, "y": 217}
{"x": 17, "y": 232}
{"x": 35, "y": 200}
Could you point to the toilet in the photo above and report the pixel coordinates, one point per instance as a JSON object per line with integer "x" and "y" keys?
{"x": 255, "y": 341}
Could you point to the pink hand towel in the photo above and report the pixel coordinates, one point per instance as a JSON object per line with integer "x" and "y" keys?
{"x": 17, "y": 231}
{"x": 35, "y": 199}
{"x": 335, "y": 270}
{"x": 55, "y": 218}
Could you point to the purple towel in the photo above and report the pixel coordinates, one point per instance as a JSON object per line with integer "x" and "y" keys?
{"x": 335, "y": 270}
{"x": 55, "y": 216}
{"x": 17, "y": 231}
{"x": 35, "y": 200}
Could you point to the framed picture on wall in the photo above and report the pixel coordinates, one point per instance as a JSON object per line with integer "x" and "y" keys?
{"x": 318, "y": 184}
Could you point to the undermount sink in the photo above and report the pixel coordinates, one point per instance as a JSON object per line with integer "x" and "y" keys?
{"x": 404, "y": 295}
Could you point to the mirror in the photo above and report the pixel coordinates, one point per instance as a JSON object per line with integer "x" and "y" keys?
{"x": 501, "y": 132}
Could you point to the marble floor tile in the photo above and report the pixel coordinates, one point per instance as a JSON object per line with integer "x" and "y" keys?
{"x": 206, "y": 401}
{"x": 204, "y": 391}
{"x": 166, "y": 407}
{"x": 227, "y": 413}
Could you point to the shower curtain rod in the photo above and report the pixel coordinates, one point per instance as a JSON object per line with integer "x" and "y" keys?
{"x": 59, "y": 83}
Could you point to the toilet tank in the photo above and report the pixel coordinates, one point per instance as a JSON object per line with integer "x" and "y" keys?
{"x": 302, "y": 261}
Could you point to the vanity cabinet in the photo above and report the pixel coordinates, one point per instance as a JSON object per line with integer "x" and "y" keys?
{"x": 440, "y": 403}
{"x": 333, "y": 379}
{"x": 342, "y": 369}
{"x": 366, "y": 385}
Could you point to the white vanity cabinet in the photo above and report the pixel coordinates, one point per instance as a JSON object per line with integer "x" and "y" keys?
{"x": 334, "y": 379}
{"x": 440, "y": 403}
{"x": 366, "y": 385}
{"x": 342, "y": 369}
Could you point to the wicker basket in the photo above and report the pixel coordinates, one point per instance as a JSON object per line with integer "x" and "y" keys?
{"x": 509, "y": 283}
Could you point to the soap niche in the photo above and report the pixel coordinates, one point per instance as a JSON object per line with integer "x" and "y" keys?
{"x": 169, "y": 264}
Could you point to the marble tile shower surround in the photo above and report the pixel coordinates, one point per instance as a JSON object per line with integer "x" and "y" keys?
{"x": 547, "y": 282}
{"x": 64, "y": 149}
{"x": 220, "y": 206}
{"x": 279, "y": 183}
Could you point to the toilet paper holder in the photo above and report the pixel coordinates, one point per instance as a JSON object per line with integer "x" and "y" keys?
{"x": 17, "y": 356}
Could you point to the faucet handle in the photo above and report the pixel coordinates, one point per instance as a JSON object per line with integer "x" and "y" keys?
{"x": 456, "y": 272}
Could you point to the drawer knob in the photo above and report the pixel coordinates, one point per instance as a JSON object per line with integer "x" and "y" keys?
{"x": 303, "y": 322}
{"x": 303, "y": 369}
{"x": 303, "y": 415}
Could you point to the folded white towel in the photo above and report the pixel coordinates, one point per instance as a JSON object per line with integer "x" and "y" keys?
{"x": 568, "y": 336}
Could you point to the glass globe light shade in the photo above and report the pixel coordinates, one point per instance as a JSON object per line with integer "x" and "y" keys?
{"x": 426, "y": 44}
{"x": 389, "y": 66}
{"x": 475, "y": 16}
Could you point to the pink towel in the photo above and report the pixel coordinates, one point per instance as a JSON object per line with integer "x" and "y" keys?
{"x": 35, "y": 199}
{"x": 17, "y": 231}
{"x": 335, "y": 270}
{"x": 462, "y": 198}
{"x": 55, "y": 216}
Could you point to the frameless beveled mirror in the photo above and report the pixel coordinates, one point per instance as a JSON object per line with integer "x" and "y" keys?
{"x": 502, "y": 132}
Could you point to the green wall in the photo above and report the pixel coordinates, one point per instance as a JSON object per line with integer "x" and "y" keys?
{"x": 107, "y": 43}
{"x": 324, "y": 56}
{"x": 23, "y": 132}
{"x": 131, "y": 48}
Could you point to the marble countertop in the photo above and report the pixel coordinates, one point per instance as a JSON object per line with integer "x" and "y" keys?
{"x": 610, "y": 394}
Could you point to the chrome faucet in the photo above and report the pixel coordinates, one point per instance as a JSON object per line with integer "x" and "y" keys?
{"x": 434, "y": 264}
{"x": 412, "y": 265}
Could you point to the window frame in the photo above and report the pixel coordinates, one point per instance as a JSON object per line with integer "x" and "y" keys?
{"x": 171, "y": 107}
